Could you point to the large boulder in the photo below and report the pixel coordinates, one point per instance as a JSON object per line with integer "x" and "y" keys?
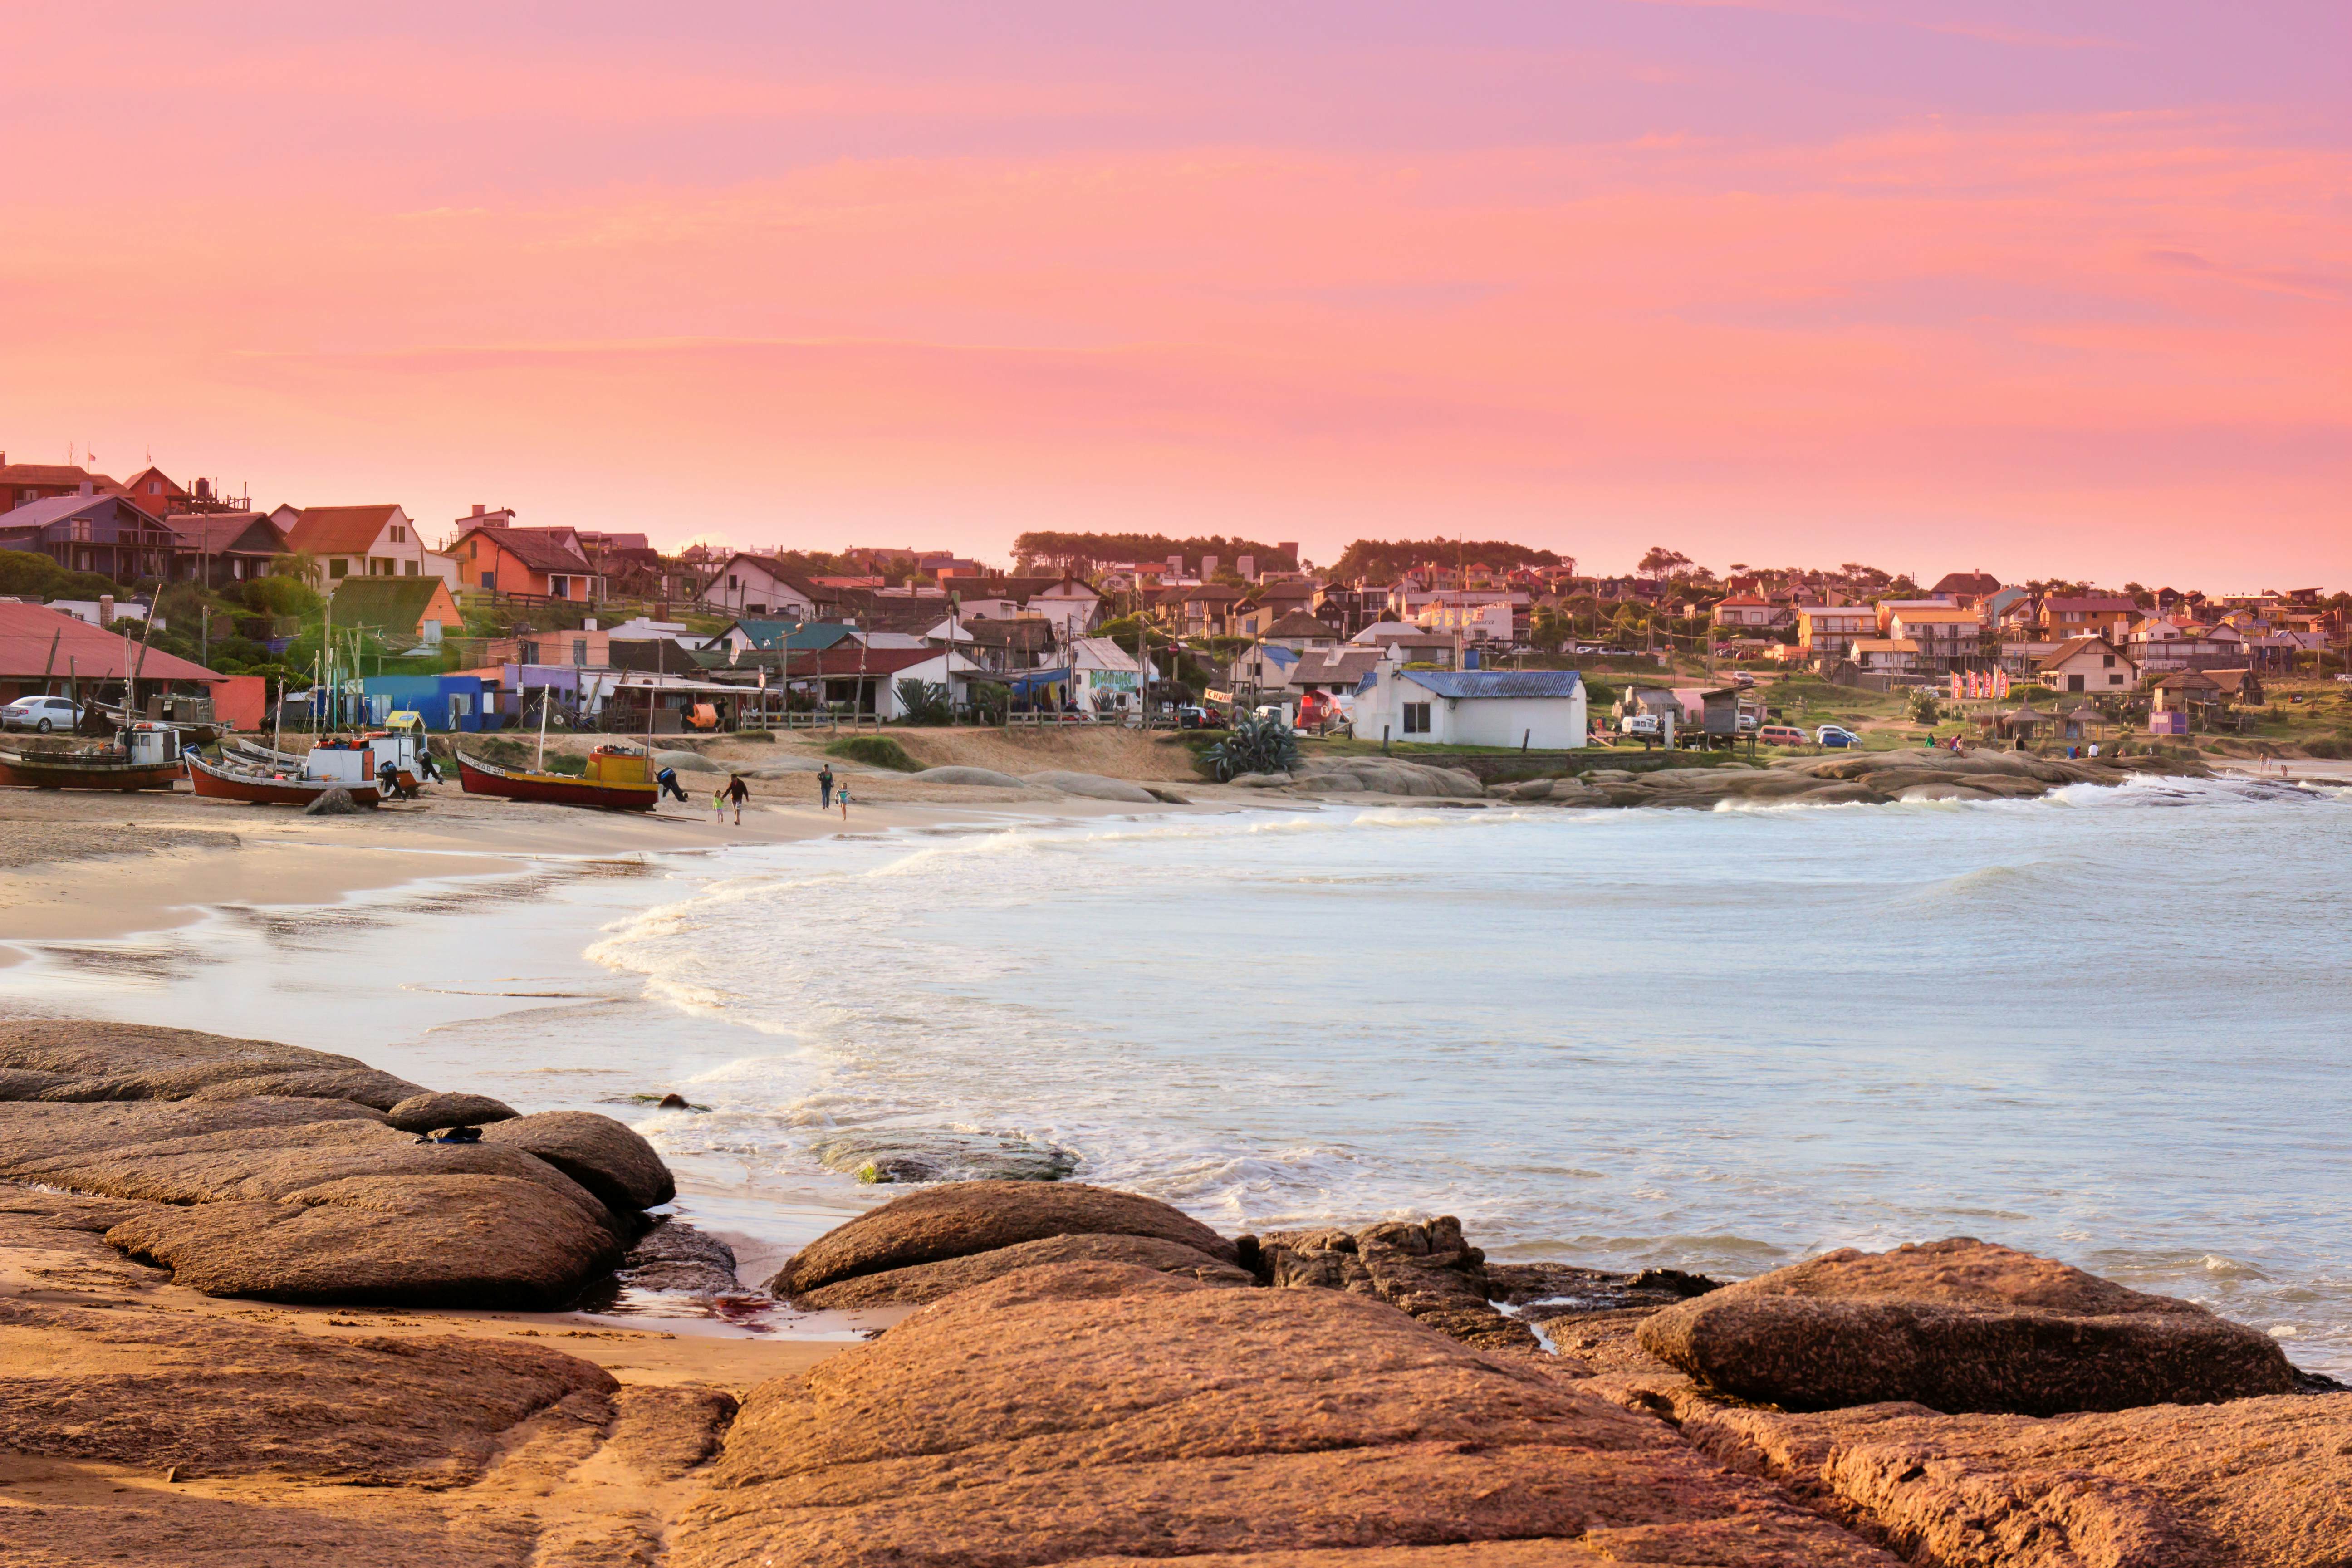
{"x": 603, "y": 1155}
{"x": 2256, "y": 1483}
{"x": 977, "y": 777}
{"x": 431, "y": 1112}
{"x": 1425, "y": 1270}
{"x": 33, "y": 1132}
{"x": 1093, "y": 786}
{"x": 1100, "y": 1414}
{"x": 918, "y": 1284}
{"x": 484, "y": 1242}
{"x": 1389, "y": 775}
{"x": 1960, "y": 1325}
{"x": 93, "y": 1059}
{"x": 957, "y": 1219}
{"x": 883, "y": 1155}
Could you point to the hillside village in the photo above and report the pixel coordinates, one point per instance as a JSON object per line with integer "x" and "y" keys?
{"x": 487, "y": 620}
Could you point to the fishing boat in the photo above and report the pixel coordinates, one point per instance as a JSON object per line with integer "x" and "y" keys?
{"x": 147, "y": 757}
{"x": 264, "y": 786}
{"x": 615, "y": 779}
{"x": 253, "y": 754}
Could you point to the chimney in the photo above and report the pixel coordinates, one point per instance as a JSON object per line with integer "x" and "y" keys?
{"x": 89, "y": 488}
{"x": 106, "y": 609}
{"x": 478, "y": 509}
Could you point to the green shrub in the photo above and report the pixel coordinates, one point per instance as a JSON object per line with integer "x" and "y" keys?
{"x": 926, "y": 702}
{"x": 2326, "y": 748}
{"x": 1253, "y": 745}
{"x": 769, "y": 736}
{"x": 875, "y": 751}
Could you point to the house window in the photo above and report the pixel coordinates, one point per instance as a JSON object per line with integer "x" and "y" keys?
{"x": 1416, "y": 718}
{"x": 731, "y": 581}
{"x": 411, "y": 568}
{"x": 338, "y": 567}
{"x": 559, "y": 587}
{"x": 399, "y": 534}
{"x": 490, "y": 581}
{"x": 154, "y": 486}
{"x": 2106, "y": 662}
{"x": 2114, "y": 680}
{"x": 580, "y": 650}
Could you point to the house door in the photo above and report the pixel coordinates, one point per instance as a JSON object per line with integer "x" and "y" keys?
{"x": 2073, "y": 683}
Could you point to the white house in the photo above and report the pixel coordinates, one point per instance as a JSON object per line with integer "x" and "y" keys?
{"x": 754, "y": 586}
{"x": 1107, "y": 676}
{"x": 2088, "y": 665}
{"x": 1544, "y": 708}
{"x": 359, "y": 542}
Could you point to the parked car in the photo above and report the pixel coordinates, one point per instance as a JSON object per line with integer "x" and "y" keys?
{"x": 40, "y": 714}
{"x": 1193, "y": 718}
{"x": 1781, "y": 735}
{"x": 1836, "y": 736}
{"x": 1640, "y": 725}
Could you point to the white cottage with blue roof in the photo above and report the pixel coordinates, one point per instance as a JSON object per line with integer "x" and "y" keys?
{"x": 1541, "y": 708}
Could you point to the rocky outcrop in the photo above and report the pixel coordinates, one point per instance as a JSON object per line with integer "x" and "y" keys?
{"x": 2255, "y": 1483}
{"x": 1425, "y": 1270}
{"x": 86, "y": 1059}
{"x": 236, "y": 1164}
{"x": 1098, "y": 1413}
{"x": 216, "y": 1398}
{"x": 431, "y": 1112}
{"x": 602, "y": 1154}
{"x": 960, "y": 1219}
{"x": 160, "y": 1436}
{"x": 1092, "y": 786}
{"x": 1960, "y": 1325}
{"x": 919, "y": 1284}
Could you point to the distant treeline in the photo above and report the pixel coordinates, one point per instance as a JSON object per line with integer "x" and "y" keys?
{"x": 1077, "y": 551}
{"x": 1384, "y": 561}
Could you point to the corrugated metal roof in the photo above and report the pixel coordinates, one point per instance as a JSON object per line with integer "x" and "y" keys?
{"x": 1496, "y": 682}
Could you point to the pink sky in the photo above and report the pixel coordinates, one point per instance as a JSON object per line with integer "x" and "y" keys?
{"x": 2042, "y": 289}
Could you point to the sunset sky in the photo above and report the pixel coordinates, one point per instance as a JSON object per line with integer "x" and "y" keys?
{"x": 2048, "y": 289}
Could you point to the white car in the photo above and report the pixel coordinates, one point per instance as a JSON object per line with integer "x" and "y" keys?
{"x": 40, "y": 714}
{"x": 1639, "y": 724}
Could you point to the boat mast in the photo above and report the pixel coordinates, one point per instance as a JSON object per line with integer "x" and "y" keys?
{"x": 539, "y": 763}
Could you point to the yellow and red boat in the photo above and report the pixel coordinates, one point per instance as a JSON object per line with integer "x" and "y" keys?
{"x": 615, "y": 780}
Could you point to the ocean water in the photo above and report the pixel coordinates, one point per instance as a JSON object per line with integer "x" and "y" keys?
{"x": 2108, "y": 1026}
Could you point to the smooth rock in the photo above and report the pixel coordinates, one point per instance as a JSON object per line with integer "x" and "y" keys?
{"x": 1260, "y": 781}
{"x": 1425, "y": 1270}
{"x": 958, "y": 775}
{"x": 691, "y": 763}
{"x": 484, "y": 1242}
{"x": 1092, "y": 786}
{"x": 250, "y": 1163}
{"x": 211, "y": 1398}
{"x": 1099, "y": 1414}
{"x": 93, "y": 1060}
{"x": 1960, "y": 1325}
{"x": 431, "y": 1112}
{"x": 919, "y": 1284}
{"x": 959, "y": 1218}
{"x": 82, "y": 1131}
{"x": 335, "y": 802}
{"x": 603, "y": 1155}
{"x": 2255, "y": 1483}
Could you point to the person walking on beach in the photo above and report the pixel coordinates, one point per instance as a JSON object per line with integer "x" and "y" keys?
{"x": 824, "y": 786}
{"x": 843, "y": 790}
{"x": 736, "y": 792}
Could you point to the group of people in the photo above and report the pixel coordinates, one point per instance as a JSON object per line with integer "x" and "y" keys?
{"x": 830, "y": 791}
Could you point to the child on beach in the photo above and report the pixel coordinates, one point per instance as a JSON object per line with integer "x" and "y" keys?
{"x": 718, "y": 804}
{"x": 841, "y": 790}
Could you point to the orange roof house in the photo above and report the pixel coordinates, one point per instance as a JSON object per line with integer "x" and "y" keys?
{"x": 538, "y": 560}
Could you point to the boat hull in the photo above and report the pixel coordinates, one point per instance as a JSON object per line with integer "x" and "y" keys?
{"x": 262, "y": 789}
{"x": 63, "y": 771}
{"x": 554, "y": 789}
